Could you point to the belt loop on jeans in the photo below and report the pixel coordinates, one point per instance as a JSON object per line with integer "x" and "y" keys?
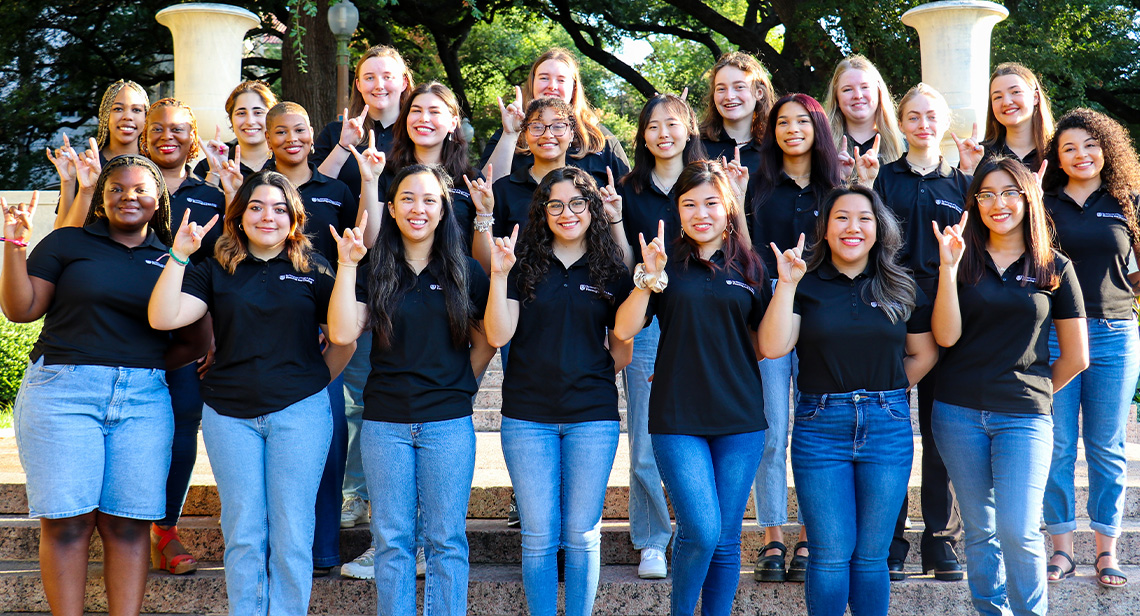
{"x": 882, "y": 397}
{"x": 822, "y": 401}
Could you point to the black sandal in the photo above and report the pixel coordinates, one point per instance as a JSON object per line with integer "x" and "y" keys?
{"x": 797, "y": 569}
{"x": 1062, "y": 574}
{"x": 1109, "y": 572}
{"x": 770, "y": 568}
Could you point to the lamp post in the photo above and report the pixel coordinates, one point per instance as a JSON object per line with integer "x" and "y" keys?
{"x": 343, "y": 18}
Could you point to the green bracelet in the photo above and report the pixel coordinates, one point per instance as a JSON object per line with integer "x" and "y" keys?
{"x": 176, "y": 259}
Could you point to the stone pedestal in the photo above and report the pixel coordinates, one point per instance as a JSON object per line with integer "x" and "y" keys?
{"x": 207, "y": 58}
{"x": 955, "y": 39}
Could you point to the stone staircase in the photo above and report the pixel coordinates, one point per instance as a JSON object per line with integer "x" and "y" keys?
{"x": 496, "y": 583}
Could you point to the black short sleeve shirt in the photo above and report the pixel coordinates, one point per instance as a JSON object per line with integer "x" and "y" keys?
{"x": 706, "y": 378}
{"x": 726, "y": 147}
{"x": 1001, "y": 361}
{"x": 422, "y": 376}
{"x": 328, "y": 140}
{"x": 513, "y": 195}
{"x": 560, "y": 370}
{"x": 781, "y": 217}
{"x": 916, "y": 200}
{"x": 641, "y": 212}
{"x": 996, "y": 148}
{"x": 98, "y": 315}
{"x": 846, "y": 341}
{"x": 266, "y": 319}
{"x": 1095, "y": 236}
{"x": 203, "y": 201}
{"x": 612, "y": 156}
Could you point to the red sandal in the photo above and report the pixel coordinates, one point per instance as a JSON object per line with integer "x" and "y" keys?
{"x": 180, "y": 564}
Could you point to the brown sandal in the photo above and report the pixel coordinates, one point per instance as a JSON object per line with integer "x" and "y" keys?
{"x": 180, "y": 564}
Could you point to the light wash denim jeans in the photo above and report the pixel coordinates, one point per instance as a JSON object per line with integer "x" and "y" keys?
{"x": 708, "y": 479}
{"x": 355, "y": 375}
{"x": 268, "y": 469}
{"x": 999, "y": 463}
{"x": 1096, "y": 403}
{"x": 560, "y": 472}
{"x": 649, "y": 522}
{"x": 429, "y": 465}
{"x": 770, "y": 487}
{"x": 851, "y": 457}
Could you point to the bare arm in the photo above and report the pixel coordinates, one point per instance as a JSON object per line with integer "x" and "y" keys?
{"x": 1073, "y": 340}
{"x": 347, "y": 316}
{"x": 504, "y": 153}
{"x": 621, "y": 351}
{"x": 23, "y": 298}
{"x": 780, "y": 329}
{"x": 169, "y": 307}
{"x": 336, "y": 355}
{"x": 921, "y": 355}
{"x": 481, "y": 351}
{"x": 946, "y": 320}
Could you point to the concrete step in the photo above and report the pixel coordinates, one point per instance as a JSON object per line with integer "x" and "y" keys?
{"x": 496, "y": 590}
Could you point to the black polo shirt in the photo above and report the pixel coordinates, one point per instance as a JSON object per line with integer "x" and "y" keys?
{"x": 328, "y": 201}
{"x": 726, "y": 147}
{"x": 513, "y": 195}
{"x": 328, "y": 140}
{"x": 1001, "y": 361}
{"x": 1095, "y": 237}
{"x": 846, "y": 341}
{"x": 787, "y": 212}
{"x": 203, "y": 201}
{"x": 641, "y": 212}
{"x": 612, "y": 156}
{"x": 266, "y": 315}
{"x": 422, "y": 376}
{"x": 706, "y": 378}
{"x": 560, "y": 370}
{"x": 995, "y": 148}
{"x": 98, "y": 315}
{"x": 461, "y": 203}
{"x": 917, "y": 200}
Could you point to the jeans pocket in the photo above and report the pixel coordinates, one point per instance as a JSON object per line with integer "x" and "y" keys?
{"x": 900, "y": 411}
{"x": 40, "y": 374}
{"x": 1119, "y": 324}
{"x": 805, "y": 411}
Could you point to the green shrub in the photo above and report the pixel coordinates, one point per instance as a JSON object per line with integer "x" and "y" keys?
{"x": 16, "y": 340}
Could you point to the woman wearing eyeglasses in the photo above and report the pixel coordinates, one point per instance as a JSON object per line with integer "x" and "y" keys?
{"x": 1000, "y": 288}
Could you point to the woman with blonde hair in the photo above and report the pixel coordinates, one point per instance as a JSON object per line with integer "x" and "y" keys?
{"x": 859, "y": 108}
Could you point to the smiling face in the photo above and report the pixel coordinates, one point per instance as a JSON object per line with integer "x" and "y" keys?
{"x": 418, "y": 207}
{"x": 665, "y": 134}
{"x": 169, "y": 135}
{"x": 857, "y": 95}
{"x": 430, "y": 120}
{"x": 794, "y": 130}
{"x": 549, "y": 147}
{"x": 553, "y": 78}
{"x": 381, "y": 80}
{"x": 128, "y": 116}
{"x": 1080, "y": 154}
{"x": 568, "y": 226}
{"x": 733, "y": 95}
{"x": 248, "y": 119}
{"x": 851, "y": 231}
{"x": 1012, "y": 99}
{"x": 704, "y": 215}
{"x": 130, "y": 198}
{"x": 924, "y": 122}
{"x": 291, "y": 139}
{"x": 998, "y": 215}
{"x": 266, "y": 219}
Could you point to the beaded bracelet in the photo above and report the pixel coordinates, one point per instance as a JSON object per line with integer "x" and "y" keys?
{"x": 176, "y": 259}
{"x": 14, "y": 242}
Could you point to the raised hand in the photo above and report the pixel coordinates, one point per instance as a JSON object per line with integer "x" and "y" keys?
{"x": 611, "y": 200}
{"x": 481, "y": 195}
{"x": 951, "y": 242}
{"x": 350, "y": 245}
{"x": 371, "y": 162}
{"x": 653, "y": 254}
{"x": 188, "y": 239}
{"x": 685, "y": 93}
{"x": 88, "y": 167}
{"x": 846, "y": 161}
{"x": 737, "y": 175}
{"x": 1039, "y": 175}
{"x": 18, "y": 219}
{"x": 502, "y": 251}
{"x": 229, "y": 173}
{"x": 215, "y": 150}
{"x": 64, "y": 161}
{"x": 352, "y": 129}
{"x": 969, "y": 150}
{"x": 513, "y": 114}
{"x": 790, "y": 265}
{"x": 867, "y": 165}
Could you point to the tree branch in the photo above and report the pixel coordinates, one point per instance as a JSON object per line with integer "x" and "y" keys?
{"x": 703, "y": 38}
{"x": 596, "y": 52}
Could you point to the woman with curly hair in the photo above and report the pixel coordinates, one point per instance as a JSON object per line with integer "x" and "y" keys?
{"x": 559, "y": 444}
{"x": 739, "y": 100}
{"x": 1091, "y": 184}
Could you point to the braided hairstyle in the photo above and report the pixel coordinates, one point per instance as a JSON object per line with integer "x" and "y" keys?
{"x": 160, "y": 222}
{"x": 103, "y": 135}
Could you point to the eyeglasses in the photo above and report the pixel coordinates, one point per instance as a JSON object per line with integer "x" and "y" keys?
{"x": 538, "y": 129}
{"x": 1009, "y": 196}
{"x": 577, "y": 205}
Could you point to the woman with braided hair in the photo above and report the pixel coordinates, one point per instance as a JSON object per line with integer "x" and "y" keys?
{"x": 92, "y": 461}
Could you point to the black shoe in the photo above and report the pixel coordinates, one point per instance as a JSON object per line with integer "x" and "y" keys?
{"x": 320, "y": 572}
{"x": 770, "y": 568}
{"x": 897, "y": 570}
{"x": 945, "y": 570}
{"x": 513, "y": 513}
{"x": 797, "y": 569}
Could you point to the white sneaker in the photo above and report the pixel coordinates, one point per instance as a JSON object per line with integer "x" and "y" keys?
{"x": 362, "y": 568}
{"x": 421, "y": 563}
{"x": 352, "y": 512}
{"x": 653, "y": 566}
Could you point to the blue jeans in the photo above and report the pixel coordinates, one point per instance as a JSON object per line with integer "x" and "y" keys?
{"x": 770, "y": 487}
{"x": 999, "y": 463}
{"x": 326, "y": 536}
{"x": 851, "y": 457}
{"x": 649, "y": 522}
{"x": 1096, "y": 403}
{"x": 187, "y": 405}
{"x": 708, "y": 479}
{"x": 355, "y": 374}
{"x": 268, "y": 469}
{"x": 430, "y": 466}
{"x": 560, "y": 472}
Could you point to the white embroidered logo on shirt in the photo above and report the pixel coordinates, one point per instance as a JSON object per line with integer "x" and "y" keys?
{"x": 737, "y": 283}
{"x": 435, "y": 287}
{"x": 592, "y": 289}
{"x": 1111, "y": 215}
{"x": 297, "y": 278}
{"x": 205, "y": 203}
{"x": 1019, "y": 278}
{"x": 156, "y": 263}
{"x": 949, "y": 204}
{"x": 325, "y": 200}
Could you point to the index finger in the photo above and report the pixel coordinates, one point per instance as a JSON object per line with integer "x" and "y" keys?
{"x": 34, "y": 201}
{"x": 66, "y": 141}
{"x": 210, "y": 225}
{"x": 965, "y": 217}
{"x": 800, "y": 244}
{"x": 957, "y": 141}
{"x": 514, "y": 234}
{"x": 661, "y": 230}
{"x": 736, "y": 157}
{"x": 237, "y": 156}
{"x": 610, "y": 175}
{"x": 94, "y": 147}
{"x": 363, "y": 113}
{"x": 974, "y": 132}
{"x": 843, "y": 144}
{"x": 875, "y": 146}
{"x": 217, "y": 132}
{"x": 685, "y": 93}
{"x": 185, "y": 218}
{"x": 363, "y": 224}
{"x": 518, "y": 96}
{"x": 371, "y": 139}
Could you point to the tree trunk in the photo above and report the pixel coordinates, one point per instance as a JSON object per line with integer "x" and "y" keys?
{"x": 314, "y": 90}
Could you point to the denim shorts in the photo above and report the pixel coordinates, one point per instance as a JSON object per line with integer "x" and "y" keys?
{"x": 94, "y": 437}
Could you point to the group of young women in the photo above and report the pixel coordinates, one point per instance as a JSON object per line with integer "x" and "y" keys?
{"x": 776, "y": 246}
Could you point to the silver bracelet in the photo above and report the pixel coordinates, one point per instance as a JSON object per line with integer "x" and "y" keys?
{"x": 483, "y": 225}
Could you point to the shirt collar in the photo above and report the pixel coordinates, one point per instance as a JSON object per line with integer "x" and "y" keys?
{"x": 1060, "y": 194}
{"x": 102, "y": 228}
{"x": 827, "y": 271}
{"x": 521, "y": 174}
{"x": 902, "y": 166}
{"x": 317, "y": 176}
{"x": 191, "y": 179}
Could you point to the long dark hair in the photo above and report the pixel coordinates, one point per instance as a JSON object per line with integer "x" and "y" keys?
{"x": 160, "y": 221}
{"x": 892, "y": 286}
{"x": 390, "y": 276}
{"x": 825, "y": 172}
{"x": 1037, "y": 226}
{"x": 738, "y": 254}
{"x": 643, "y": 160}
{"x": 233, "y": 246}
{"x": 453, "y": 154}
{"x": 536, "y": 246}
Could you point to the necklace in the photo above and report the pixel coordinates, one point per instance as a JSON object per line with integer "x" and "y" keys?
{"x": 659, "y": 182}
{"x": 416, "y": 260}
{"x": 921, "y": 170}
